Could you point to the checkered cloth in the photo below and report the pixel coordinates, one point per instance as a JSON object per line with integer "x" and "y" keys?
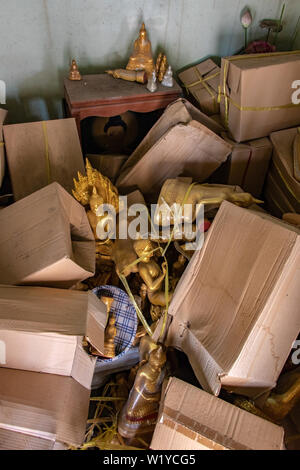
{"x": 126, "y": 319}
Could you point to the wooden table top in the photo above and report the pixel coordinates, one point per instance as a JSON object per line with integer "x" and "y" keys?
{"x": 101, "y": 88}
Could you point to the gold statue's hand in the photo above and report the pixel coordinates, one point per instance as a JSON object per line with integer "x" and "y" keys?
{"x": 164, "y": 268}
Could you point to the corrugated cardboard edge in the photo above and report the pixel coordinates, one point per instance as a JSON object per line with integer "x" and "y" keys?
{"x": 207, "y": 437}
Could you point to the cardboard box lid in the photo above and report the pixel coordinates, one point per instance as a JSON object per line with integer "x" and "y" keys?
{"x": 264, "y": 68}
{"x": 48, "y": 310}
{"x": 43, "y": 405}
{"x": 236, "y": 306}
{"x": 180, "y": 111}
{"x": 212, "y": 422}
{"x": 39, "y": 153}
{"x": 39, "y": 231}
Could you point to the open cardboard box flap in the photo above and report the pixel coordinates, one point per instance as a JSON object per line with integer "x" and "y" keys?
{"x": 190, "y": 418}
{"x": 235, "y": 311}
{"x": 50, "y": 324}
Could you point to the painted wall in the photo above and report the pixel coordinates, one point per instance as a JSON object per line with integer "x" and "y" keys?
{"x": 39, "y": 37}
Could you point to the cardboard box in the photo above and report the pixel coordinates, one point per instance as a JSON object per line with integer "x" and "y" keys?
{"x": 181, "y": 143}
{"x": 257, "y": 93}
{"x": 247, "y": 165}
{"x": 202, "y": 81}
{"x": 3, "y": 114}
{"x": 282, "y": 188}
{"x": 235, "y": 310}
{"x": 39, "y": 153}
{"x": 46, "y": 240}
{"x": 191, "y": 419}
{"x": 108, "y": 164}
{"x": 41, "y": 330}
{"x": 43, "y": 406}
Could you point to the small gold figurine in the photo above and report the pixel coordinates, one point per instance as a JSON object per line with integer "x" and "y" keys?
{"x": 158, "y": 62}
{"x": 74, "y": 73}
{"x": 141, "y": 58}
{"x": 175, "y": 191}
{"x": 150, "y": 272}
{"x": 162, "y": 68}
{"x": 109, "y": 339}
{"x": 139, "y": 414}
{"x": 139, "y": 76}
{"x": 108, "y": 301}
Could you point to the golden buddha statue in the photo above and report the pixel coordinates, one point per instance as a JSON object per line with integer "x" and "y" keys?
{"x": 150, "y": 272}
{"x": 141, "y": 58}
{"x": 139, "y": 414}
{"x": 74, "y": 73}
{"x": 175, "y": 191}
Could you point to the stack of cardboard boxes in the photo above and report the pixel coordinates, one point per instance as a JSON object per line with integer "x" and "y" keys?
{"x": 46, "y": 247}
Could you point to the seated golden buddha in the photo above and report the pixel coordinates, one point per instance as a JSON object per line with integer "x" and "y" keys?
{"x": 141, "y": 58}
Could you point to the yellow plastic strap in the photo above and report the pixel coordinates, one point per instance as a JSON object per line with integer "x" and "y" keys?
{"x": 227, "y": 99}
{"x": 1, "y": 144}
{"x": 138, "y": 311}
{"x": 48, "y": 169}
{"x": 201, "y": 80}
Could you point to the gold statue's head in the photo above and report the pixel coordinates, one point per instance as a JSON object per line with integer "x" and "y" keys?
{"x": 157, "y": 357}
{"x": 95, "y": 200}
{"x": 143, "y": 32}
{"x": 143, "y": 249}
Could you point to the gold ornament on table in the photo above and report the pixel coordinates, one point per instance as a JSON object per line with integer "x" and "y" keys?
{"x": 176, "y": 191}
{"x": 139, "y": 414}
{"x": 141, "y": 58}
{"x": 74, "y": 73}
{"x": 139, "y": 76}
{"x": 158, "y": 62}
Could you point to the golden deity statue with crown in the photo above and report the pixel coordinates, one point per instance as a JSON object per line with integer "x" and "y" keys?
{"x": 141, "y": 58}
{"x": 95, "y": 190}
